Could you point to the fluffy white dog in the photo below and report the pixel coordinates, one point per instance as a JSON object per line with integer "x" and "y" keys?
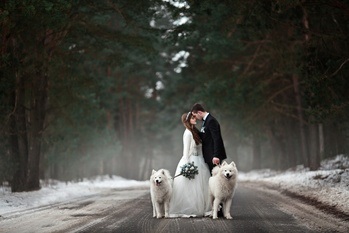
{"x": 222, "y": 186}
{"x": 161, "y": 192}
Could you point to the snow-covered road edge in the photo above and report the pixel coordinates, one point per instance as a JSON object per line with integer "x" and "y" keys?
{"x": 326, "y": 189}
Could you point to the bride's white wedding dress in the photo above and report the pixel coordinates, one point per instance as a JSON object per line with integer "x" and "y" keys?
{"x": 190, "y": 197}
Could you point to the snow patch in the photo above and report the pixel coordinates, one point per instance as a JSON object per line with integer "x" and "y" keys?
{"x": 328, "y": 185}
{"x": 54, "y": 191}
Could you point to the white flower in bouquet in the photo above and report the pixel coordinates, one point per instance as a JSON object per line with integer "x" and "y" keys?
{"x": 189, "y": 170}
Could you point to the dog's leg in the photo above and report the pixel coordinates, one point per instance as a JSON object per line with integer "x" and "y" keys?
{"x": 215, "y": 208}
{"x": 162, "y": 209}
{"x": 154, "y": 210}
{"x": 209, "y": 204}
{"x": 154, "y": 207}
{"x": 211, "y": 199}
{"x": 167, "y": 209}
{"x": 227, "y": 205}
{"x": 158, "y": 210}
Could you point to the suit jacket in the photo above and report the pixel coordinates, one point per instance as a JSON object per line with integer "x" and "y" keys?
{"x": 212, "y": 142}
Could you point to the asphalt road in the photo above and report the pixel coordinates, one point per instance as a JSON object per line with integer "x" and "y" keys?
{"x": 254, "y": 209}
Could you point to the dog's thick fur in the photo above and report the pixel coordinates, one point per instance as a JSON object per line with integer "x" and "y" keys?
{"x": 222, "y": 186}
{"x": 161, "y": 192}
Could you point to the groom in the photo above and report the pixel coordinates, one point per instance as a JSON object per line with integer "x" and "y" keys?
{"x": 212, "y": 143}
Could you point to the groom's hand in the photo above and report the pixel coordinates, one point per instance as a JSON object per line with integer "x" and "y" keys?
{"x": 215, "y": 161}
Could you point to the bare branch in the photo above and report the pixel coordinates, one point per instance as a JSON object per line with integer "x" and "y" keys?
{"x": 340, "y": 67}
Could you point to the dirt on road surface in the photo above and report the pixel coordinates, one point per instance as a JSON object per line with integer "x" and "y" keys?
{"x": 255, "y": 209}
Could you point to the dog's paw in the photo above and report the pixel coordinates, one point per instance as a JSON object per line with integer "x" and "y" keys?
{"x": 228, "y": 217}
{"x": 214, "y": 217}
{"x": 158, "y": 216}
{"x": 208, "y": 214}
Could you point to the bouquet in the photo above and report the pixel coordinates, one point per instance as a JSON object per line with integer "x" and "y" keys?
{"x": 188, "y": 170}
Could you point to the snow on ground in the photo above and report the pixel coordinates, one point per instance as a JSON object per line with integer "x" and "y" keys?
{"x": 54, "y": 191}
{"x": 329, "y": 185}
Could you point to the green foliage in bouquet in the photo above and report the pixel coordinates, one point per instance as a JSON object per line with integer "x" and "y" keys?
{"x": 189, "y": 170}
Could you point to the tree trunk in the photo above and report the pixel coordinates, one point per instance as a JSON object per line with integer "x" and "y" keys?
{"x": 28, "y": 129}
{"x": 306, "y": 156}
{"x": 37, "y": 118}
{"x": 292, "y": 144}
{"x": 314, "y": 158}
{"x": 275, "y": 144}
{"x": 301, "y": 126}
{"x": 321, "y": 142}
{"x": 19, "y": 140}
{"x": 256, "y": 152}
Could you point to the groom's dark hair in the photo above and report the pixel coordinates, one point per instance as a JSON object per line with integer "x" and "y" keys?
{"x": 197, "y": 107}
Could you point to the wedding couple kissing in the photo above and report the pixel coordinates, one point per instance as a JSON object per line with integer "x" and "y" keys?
{"x": 203, "y": 182}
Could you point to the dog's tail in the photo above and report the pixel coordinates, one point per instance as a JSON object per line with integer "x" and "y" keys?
{"x": 215, "y": 170}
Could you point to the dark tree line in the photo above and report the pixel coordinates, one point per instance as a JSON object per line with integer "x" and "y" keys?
{"x": 277, "y": 69}
{"x": 72, "y": 88}
{"x": 97, "y": 87}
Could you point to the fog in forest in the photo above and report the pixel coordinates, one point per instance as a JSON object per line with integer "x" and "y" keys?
{"x": 98, "y": 88}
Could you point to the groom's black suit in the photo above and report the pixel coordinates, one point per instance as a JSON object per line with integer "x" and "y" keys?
{"x": 212, "y": 142}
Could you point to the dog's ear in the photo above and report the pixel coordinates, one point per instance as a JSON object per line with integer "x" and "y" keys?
{"x": 163, "y": 171}
{"x": 233, "y": 164}
{"x": 153, "y": 172}
{"x": 224, "y": 163}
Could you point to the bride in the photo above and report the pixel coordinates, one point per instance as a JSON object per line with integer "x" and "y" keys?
{"x": 190, "y": 196}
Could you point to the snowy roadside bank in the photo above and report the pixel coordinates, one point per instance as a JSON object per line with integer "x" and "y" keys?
{"x": 53, "y": 192}
{"x": 327, "y": 186}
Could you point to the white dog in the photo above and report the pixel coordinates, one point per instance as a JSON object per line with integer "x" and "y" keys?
{"x": 161, "y": 192}
{"x": 222, "y": 186}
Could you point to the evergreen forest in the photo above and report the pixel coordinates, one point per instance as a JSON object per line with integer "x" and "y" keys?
{"x": 93, "y": 87}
